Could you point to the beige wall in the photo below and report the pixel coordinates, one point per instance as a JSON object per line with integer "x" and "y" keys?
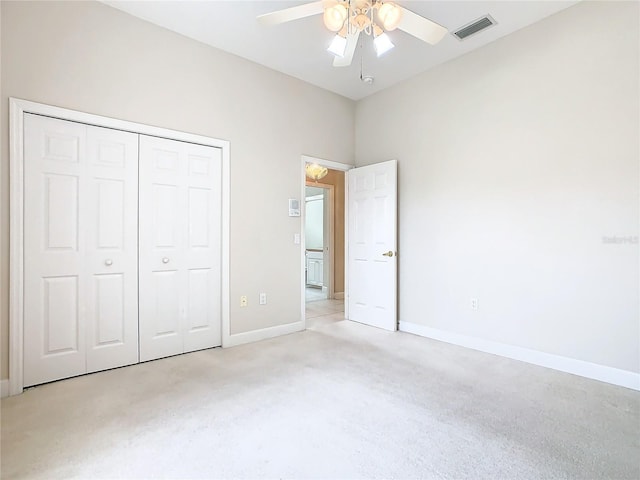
{"x": 90, "y": 57}
{"x": 336, "y": 178}
{"x": 514, "y": 162}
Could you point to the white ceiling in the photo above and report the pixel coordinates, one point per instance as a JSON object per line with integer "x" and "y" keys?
{"x": 298, "y": 48}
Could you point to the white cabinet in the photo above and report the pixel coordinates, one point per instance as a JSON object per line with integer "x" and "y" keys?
{"x": 315, "y": 268}
{"x": 109, "y": 253}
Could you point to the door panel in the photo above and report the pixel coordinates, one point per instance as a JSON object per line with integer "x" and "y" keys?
{"x": 167, "y": 224}
{"x": 372, "y": 235}
{"x": 60, "y": 315}
{"x": 54, "y": 334}
{"x": 180, "y": 208}
{"x": 110, "y": 313}
{"x": 61, "y": 205}
{"x": 111, "y": 203}
{"x": 111, "y": 222}
{"x": 162, "y": 182}
{"x": 203, "y": 325}
{"x": 80, "y": 249}
{"x": 199, "y": 306}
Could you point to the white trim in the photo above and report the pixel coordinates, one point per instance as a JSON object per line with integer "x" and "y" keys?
{"x": 303, "y": 251}
{"x": 226, "y": 239}
{"x": 343, "y": 167}
{"x": 27, "y": 106}
{"x": 4, "y": 388}
{"x": 16, "y": 246}
{"x": 17, "y": 109}
{"x": 615, "y": 376}
{"x": 346, "y": 246}
{"x": 264, "y": 333}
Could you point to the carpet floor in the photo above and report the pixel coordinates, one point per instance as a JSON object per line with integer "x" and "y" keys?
{"x": 340, "y": 400}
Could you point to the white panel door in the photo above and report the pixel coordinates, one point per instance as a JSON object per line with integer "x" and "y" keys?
{"x": 372, "y": 245}
{"x": 111, "y": 248}
{"x": 54, "y": 334}
{"x": 179, "y": 249}
{"x": 203, "y": 250}
{"x": 79, "y": 315}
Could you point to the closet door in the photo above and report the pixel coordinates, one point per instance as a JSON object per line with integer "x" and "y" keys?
{"x": 54, "y": 252}
{"x": 180, "y": 205}
{"x": 80, "y": 268}
{"x": 112, "y": 248}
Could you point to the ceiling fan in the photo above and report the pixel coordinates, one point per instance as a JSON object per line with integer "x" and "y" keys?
{"x": 349, "y": 18}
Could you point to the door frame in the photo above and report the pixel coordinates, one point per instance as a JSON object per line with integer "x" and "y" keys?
{"x": 344, "y": 167}
{"x": 17, "y": 109}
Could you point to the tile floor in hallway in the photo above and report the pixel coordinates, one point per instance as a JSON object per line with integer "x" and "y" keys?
{"x": 313, "y": 294}
{"x": 322, "y": 312}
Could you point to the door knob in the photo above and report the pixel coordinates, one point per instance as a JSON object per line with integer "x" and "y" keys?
{"x": 108, "y": 262}
{"x": 388, "y": 254}
{"x": 165, "y": 260}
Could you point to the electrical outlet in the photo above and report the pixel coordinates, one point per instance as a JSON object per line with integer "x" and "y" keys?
{"x": 263, "y": 299}
{"x": 474, "y": 304}
{"x": 243, "y": 301}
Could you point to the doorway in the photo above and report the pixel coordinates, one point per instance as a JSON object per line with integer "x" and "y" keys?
{"x": 324, "y": 245}
{"x": 369, "y": 245}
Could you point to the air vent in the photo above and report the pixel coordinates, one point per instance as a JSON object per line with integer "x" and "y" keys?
{"x": 474, "y": 27}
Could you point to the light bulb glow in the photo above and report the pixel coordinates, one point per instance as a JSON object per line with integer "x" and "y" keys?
{"x": 390, "y": 15}
{"x": 338, "y": 46}
{"x": 382, "y": 44}
{"x": 334, "y": 16}
{"x": 315, "y": 171}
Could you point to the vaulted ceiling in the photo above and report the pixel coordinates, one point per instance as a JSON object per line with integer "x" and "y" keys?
{"x": 298, "y": 48}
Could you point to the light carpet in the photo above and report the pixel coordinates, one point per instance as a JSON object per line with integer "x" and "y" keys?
{"x": 340, "y": 400}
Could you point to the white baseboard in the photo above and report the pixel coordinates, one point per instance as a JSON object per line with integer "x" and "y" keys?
{"x": 615, "y": 376}
{"x": 263, "y": 334}
{"x": 4, "y": 388}
{"x": 338, "y": 295}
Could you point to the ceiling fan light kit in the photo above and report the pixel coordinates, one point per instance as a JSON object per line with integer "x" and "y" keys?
{"x": 338, "y": 46}
{"x": 349, "y": 18}
{"x": 335, "y": 15}
{"x": 315, "y": 171}
{"x": 390, "y": 15}
{"x": 382, "y": 44}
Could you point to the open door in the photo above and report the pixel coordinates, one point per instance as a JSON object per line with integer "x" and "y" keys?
{"x": 372, "y": 245}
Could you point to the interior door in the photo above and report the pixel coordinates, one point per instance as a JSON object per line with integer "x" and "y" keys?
{"x": 54, "y": 335}
{"x": 372, "y": 244}
{"x": 180, "y": 269}
{"x": 80, "y": 238}
{"x": 202, "y": 327}
{"x": 111, "y": 226}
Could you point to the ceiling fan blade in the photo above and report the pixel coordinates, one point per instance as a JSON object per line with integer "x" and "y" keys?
{"x": 421, "y": 27}
{"x": 352, "y": 43}
{"x": 293, "y": 13}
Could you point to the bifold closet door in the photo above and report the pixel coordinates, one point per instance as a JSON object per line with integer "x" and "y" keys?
{"x": 80, "y": 249}
{"x": 179, "y": 241}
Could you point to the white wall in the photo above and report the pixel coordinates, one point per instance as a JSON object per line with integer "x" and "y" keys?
{"x": 90, "y": 57}
{"x": 514, "y": 162}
